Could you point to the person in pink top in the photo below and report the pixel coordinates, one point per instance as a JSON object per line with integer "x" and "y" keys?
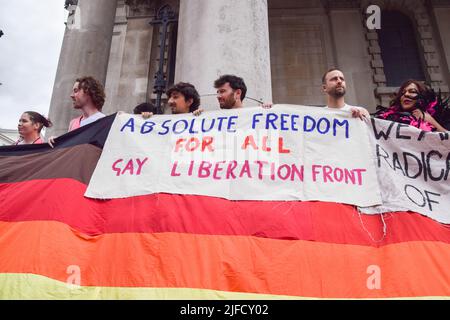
{"x": 88, "y": 96}
{"x": 30, "y": 127}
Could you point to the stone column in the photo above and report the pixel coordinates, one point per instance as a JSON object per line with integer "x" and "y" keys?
{"x": 85, "y": 51}
{"x": 129, "y": 63}
{"x": 442, "y": 16}
{"x": 217, "y": 37}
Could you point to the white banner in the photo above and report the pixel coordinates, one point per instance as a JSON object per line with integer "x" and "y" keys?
{"x": 413, "y": 170}
{"x": 284, "y": 153}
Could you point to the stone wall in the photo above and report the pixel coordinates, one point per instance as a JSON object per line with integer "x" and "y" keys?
{"x": 306, "y": 38}
{"x": 301, "y": 50}
{"x": 134, "y": 54}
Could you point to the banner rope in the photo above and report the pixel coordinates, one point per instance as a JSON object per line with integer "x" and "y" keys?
{"x": 368, "y": 232}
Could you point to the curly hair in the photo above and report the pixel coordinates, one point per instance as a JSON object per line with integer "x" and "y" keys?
{"x": 188, "y": 91}
{"x": 427, "y": 100}
{"x": 422, "y": 88}
{"x": 94, "y": 89}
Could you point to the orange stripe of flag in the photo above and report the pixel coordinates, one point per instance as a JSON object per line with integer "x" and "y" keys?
{"x": 226, "y": 263}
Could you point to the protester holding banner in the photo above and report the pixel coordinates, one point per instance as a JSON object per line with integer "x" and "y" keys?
{"x": 145, "y": 109}
{"x": 30, "y": 126}
{"x": 183, "y": 98}
{"x": 231, "y": 91}
{"x": 417, "y": 105}
{"x": 88, "y": 95}
{"x": 334, "y": 85}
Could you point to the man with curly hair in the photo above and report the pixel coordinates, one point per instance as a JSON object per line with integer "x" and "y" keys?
{"x": 88, "y": 96}
{"x": 183, "y": 98}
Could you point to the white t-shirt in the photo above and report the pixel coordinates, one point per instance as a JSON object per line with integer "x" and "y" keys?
{"x": 92, "y": 118}
{"x": 346, "y": 107}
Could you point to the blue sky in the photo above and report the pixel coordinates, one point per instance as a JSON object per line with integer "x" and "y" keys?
{"x": 29, "y": 53}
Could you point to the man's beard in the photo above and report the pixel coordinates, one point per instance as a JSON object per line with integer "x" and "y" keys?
{"x": 228, "y": 103}
{"x": 173, "y": 109}
{"x": 338, "y": 94}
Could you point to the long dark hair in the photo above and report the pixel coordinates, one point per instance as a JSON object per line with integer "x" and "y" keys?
{"x": 427, "y": 100}
{"x": 423, "y": 90}
{"x": 94, "y": 89}
{"x": 36, "y": 117}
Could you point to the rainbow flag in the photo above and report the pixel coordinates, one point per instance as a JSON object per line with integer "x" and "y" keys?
{"x": 57, "y": 244}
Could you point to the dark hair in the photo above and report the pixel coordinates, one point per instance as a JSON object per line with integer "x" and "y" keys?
{"x": 144, "y": 107}
{"x": 420, "y": 86}
{"x": 94, "y": 89}
{"x": 234, "y": 81}
{"x": 188, "y": 91}
{"x": 324, "y": 77}
{"x": 36, "y": 117}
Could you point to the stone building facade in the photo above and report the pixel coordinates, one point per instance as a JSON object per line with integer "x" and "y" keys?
{"x": 280, "y": 47}
{"x": 8, "y": 137}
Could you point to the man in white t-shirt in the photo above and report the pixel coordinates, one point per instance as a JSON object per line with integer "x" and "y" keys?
{"x": 333, "y": 84}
